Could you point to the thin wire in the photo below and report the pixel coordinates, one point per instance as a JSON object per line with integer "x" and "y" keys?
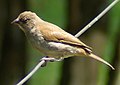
{"x": 31, "y": 73}
{"x": 97, "y": 18}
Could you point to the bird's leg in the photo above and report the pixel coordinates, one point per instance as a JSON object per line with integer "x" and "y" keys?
{"x": 52, "y": 59}
{"x": 47, "y": 59}
{"x": 57, "y": 59}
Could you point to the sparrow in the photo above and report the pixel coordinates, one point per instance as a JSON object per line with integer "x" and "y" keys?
{"x": 51, "y": 40}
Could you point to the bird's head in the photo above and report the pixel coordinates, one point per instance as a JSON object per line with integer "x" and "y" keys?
{"x": 26, "y": 20}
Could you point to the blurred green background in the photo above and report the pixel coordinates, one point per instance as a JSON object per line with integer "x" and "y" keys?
{"x": 18, "y": 58}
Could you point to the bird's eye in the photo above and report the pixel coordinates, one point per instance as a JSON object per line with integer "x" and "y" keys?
{"x": 24, "y": 20}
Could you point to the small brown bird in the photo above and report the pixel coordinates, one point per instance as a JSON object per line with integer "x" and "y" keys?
{"x": 51, "y": 40}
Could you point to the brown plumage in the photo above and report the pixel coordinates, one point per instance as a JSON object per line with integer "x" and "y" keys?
{"x": 51, "y": 40}
{"x": 59, "y": 35}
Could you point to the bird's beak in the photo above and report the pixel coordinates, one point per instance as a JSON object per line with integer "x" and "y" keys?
{"x": 16, "y": 21}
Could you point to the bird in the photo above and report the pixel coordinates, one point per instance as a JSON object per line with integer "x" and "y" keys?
{"x": 51, "y": 40}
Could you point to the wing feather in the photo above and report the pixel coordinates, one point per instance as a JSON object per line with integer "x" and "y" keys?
{"x": 54, "y": 33}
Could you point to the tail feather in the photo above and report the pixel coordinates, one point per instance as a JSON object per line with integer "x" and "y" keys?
{"x": 101, "y": 60}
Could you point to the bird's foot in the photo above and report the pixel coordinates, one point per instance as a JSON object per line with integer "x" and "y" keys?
{"x": 52, "y": 59}
{"x": 57, "y": 59}
{"x": 47, "y": 59}
{"x": 45, "y": 63}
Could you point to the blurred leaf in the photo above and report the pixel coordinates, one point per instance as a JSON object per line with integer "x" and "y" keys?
{"x": 113, "y": 30}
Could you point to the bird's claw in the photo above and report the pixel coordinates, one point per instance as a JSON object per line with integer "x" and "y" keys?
{"x": 48, "y": 59}
{"x": 51, "y": 59}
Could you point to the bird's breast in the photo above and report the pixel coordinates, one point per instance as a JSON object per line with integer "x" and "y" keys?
{"x": 36, "y": 39}
{"x": 49, "y": 48}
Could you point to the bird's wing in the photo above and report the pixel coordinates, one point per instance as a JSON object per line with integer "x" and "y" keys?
{"x": 54, "y": 33}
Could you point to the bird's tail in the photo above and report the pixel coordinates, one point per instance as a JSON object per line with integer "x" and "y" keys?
{"x": 101, "y": 60}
